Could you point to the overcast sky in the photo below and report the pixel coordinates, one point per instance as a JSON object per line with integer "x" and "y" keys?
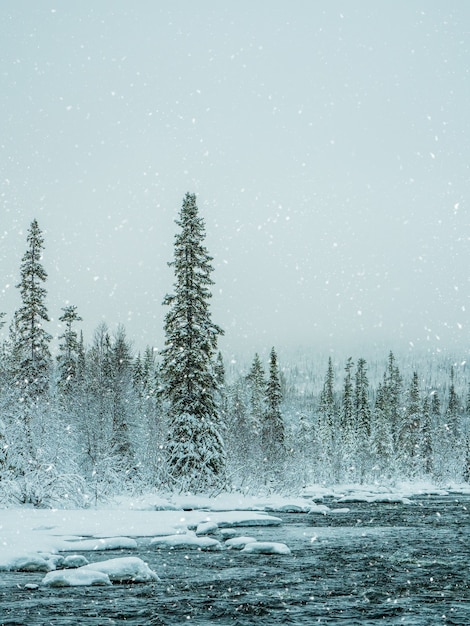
{"x": 328, "y": 143}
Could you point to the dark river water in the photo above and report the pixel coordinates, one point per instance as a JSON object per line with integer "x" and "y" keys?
{"x": 377, "y": 564}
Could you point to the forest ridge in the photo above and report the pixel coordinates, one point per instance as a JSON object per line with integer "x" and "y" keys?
{"x": 97, "y": 420}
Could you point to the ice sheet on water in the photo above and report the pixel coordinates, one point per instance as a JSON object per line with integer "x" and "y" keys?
{"x": 386, "y": 498}
{"x": 109, "y": 543}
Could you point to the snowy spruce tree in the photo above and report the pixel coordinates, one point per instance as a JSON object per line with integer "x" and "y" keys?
{"x": 69, "y": 348}
{"x": 124, "y": 400}
{"x": 31, "y": 355}
{"x": 327, "y": 426}
{"x": 29, "y": 360}
{"x": 257, "y": 386}
{"x": 273, "y": 435}
{"x": 195, "y": 450}
{"x": 410, "y": 431}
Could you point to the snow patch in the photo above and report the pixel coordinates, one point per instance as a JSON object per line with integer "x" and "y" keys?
{"x": 266, "y": 547}
{"x": 189, "y": 541}
{"x": 110, "y": 543}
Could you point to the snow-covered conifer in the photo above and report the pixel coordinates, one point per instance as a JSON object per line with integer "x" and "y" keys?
{"x": 362, "y": 419}
{"x": 32, "y": 357}
{"x": 410, "y": 430}
{"x": 381, "y": 434}
{"x": 393, "y": 400}
{"x": 257, "y": 385}
{"x": 426, "y": 436}
{"x": 123, "y": 397}
{"x": 195, "y": 448}
{"x": 362, "y": 410}
{"x": 453, "y": 408}
{"x": 273, "y": 433}
{"x": 327, "y": 407}
{"x": 347, "y": 402}
{"x": 67, "y": 358}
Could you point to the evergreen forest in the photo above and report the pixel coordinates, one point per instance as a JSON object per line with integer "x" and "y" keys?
{"x": 94, "y": 419}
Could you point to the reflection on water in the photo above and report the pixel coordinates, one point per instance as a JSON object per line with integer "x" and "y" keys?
{"x": 379, "y": 563}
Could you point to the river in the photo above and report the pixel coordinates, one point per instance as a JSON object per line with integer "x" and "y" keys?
{"x": 376, "y": 564}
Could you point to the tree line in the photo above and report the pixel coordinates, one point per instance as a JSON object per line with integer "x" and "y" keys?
{"x": 97, "y": 420}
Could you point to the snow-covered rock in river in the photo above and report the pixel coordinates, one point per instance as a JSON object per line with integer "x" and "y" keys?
{"x": 207, "y": 528}
{"x": 238, "y": 543}
{"x": 26, "y": 563}
{"x": 288, "y": 507}
{"x": 186, "y": 541}
{"x": 228, "y": 533}
{"x": 124, "y": 569}
{"x": 319, "y": 509}
{"x": 266, "y": 547}
{"x": 75, "y": 578}
{"x": 75, "y": 560}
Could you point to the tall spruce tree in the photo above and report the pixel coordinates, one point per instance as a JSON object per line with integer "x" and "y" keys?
{"x": 381, "y": 434}
{"x": 327, "y": 427}
{"x": 426, "y": 436}
{"x": 31, "y": 354}
{"x": 410, "y": 430}
{"x": 393, "y": 401}
{"x": 123, "y": 397}
{"x": 453, "y": 408}
{"x": 362, "y": 419}
{"x": 347, "y": 404}
{"x": 257, "y": 386}
{"x": 327, "y": 408}
{"x": 362, "y": 410}
{"x": 273, "y": 434}
{"x": 195, "y": 448}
